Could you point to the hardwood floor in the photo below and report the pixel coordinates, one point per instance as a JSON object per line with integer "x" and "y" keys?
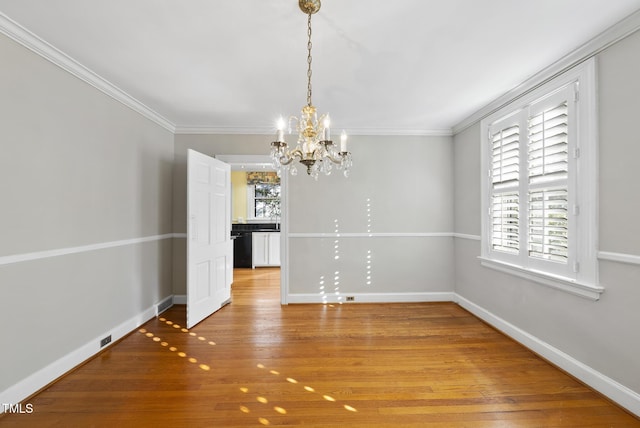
{"x": 255, "y": 363}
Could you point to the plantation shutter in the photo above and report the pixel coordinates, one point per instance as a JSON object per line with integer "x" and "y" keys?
{"x": 548, "y": 145}
{"x": 505, "y": 176}
{"x": 548, "y": 225}
{"x": 548, "y": 171}
{"x": 506, "y": 157}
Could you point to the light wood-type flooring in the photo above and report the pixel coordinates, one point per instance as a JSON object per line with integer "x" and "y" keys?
{"x": 255, "y": 363}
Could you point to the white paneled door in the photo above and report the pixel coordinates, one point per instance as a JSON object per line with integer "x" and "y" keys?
{"x": 209, "y": 247}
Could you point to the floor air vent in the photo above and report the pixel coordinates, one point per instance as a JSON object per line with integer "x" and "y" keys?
{"x": 164, "y": 305}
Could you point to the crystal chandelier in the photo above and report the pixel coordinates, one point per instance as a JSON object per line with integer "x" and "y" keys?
{"x": 314, "y": 147}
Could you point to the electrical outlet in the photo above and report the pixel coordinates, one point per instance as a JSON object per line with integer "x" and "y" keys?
{"x": 105, "y": 341}
{"x": 351, "y": 299}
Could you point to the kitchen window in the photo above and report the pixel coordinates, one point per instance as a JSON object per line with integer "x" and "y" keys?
{"x": 266, "y": 200}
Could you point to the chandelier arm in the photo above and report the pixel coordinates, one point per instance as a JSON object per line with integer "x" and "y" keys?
{"x": 286, "y": 161}
{"x": 342, "y": 155}
{"x": 289, "y": 157}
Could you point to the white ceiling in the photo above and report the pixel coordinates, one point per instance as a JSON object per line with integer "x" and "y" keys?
{"x": 395, "y": 66}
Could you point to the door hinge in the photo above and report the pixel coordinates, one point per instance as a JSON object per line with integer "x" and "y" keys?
{"x": 576, "y": 267}
{"x": 576, "y": 153}
{"x": 576, "y": 210}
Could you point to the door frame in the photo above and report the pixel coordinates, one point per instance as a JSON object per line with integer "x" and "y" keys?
{"x": 264, "y": 162}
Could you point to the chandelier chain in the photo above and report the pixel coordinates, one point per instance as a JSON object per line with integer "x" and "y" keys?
{"x": 309, "y": 59}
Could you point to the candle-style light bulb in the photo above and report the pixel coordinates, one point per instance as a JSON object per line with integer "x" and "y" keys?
{"x": 280, "y": 127}
{"x": 327, "y": 130}
{"x": 343, "y": 141}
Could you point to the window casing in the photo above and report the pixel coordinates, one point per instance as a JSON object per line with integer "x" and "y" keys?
{"x": 539, "y": 185}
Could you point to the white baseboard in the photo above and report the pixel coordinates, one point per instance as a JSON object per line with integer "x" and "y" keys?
{"x": 179, "y": 299}
{"x": 38, "y": 380}
{"x": 371, "y": 298}
{"x": 617, "y": 392}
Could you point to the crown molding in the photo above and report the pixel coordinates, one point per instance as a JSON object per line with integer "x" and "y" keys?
{"x": 607, "y": 38}
{"x": 21, "y": 35}
{"x": 401, "y": 132}
{"x": 29, "y": 40}
{"x": 219, "y": 130}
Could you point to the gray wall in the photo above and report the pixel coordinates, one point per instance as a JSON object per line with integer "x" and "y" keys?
{"x": 604, "y": 335}
{"x": 398, "y": 185}
{"x": 409, "y": 190}
{"x": 77, "y": 168}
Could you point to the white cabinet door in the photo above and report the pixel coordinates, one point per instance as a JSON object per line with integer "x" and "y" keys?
{"x": 266, "y": 249}
{"x": 274, "y": 249}
{"x": 260, "y": 250}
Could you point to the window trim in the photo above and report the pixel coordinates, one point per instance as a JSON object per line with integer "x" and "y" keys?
{"x": 585, "y": 178}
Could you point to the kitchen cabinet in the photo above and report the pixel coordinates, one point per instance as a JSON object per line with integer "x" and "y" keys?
{"x": 266, "y": 249}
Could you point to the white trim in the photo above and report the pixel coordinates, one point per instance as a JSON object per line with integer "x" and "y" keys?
{"x": 179, "y": 299}
{"x": 29, "y": 40}
{"x": 38, "y": 380}
{"x": 387, "y": 235}
{"x": 444, "y": 296}
{"x": 17, "y": 258}
{"x": 180, "y": 235}
{"x": 284, "y": 240}
{"x": 619, "y": 257}
{"x": 617, "y": 392}
{"x": 373, "y": 235}
{"x": 469, "y": 237}
{"x": 221, "y": 130}
{"x": 390, "y": 132}
{"x": 614, "y": 34}
{"x": 588, "y": 291}
{"x": 247, "y": 162}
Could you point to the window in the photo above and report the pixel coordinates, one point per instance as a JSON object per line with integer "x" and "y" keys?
{"x": 266, "y": 200}
{"x": 539, "y": 189}
{"x": 263, "y": 196}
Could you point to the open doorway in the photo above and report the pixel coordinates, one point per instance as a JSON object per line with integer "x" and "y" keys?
{"x": 259, "y": 215}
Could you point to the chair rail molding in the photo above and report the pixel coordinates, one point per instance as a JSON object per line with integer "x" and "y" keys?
{"x": 619, "y": 257}
{"x": 25, "y": 257}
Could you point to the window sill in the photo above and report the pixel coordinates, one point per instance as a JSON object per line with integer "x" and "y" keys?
{"x": 588, "y": 291}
